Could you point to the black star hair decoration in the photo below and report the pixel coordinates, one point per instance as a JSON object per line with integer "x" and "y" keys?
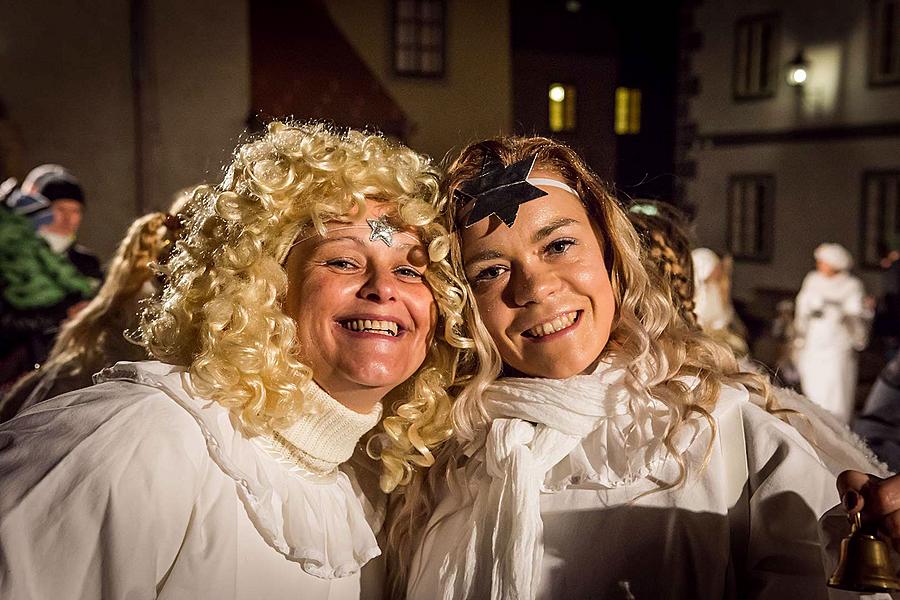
{"x": 500, "y": 190}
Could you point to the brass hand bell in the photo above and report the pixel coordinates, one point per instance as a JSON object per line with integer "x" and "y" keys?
{"x": 865, "y": 562}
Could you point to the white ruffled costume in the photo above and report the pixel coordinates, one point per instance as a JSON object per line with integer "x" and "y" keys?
{"x": 560, "y": 499}
{"x": 135, "y": 488}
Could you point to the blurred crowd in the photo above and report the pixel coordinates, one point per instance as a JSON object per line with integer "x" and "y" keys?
{"x": 62, "y": 318}
{"x": 818, "y": 336}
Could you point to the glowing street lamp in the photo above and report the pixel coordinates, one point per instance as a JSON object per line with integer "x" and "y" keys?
{"x": 557, "y": 93}
{"x": 797, "y": 70}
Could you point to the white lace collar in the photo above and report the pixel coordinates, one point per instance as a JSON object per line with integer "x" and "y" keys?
{"x": 316, "y": 521}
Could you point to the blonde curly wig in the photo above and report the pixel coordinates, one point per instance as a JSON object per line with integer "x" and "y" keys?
{"x": 220, "y": 313}
{"x": 649, "y": 333}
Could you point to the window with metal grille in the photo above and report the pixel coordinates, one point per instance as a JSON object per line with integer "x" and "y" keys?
{"x": 880, "y": 215}
{"x": 755, "y": 57}
{"x": 419, "y": 37}
{"x": 561, "y": 107}
{"x": 751, "y": 199}
{"x": 884, "y": 42}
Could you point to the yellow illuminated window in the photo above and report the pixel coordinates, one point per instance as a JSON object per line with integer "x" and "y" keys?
{"x": 562, "y": 107}
{"x": 628, "y": 111}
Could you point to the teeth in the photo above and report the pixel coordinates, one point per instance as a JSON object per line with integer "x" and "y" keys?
{"x": 372, "y": 326}
{"x": 557, "y": 324}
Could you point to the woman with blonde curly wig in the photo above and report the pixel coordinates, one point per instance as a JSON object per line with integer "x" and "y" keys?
{"x": 309, "y": 289}
{"x": 604, "y": 447}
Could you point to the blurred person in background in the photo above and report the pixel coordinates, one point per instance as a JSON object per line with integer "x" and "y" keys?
{"x": 97, "y": 336}
{"x": 831, "y": 324}
{"x": 664, "y": 238}
{"x": 712, "y": 301}
{"x": 887, "y": 314}
{"x": 37, "y": 289}
{"x": 59, "y": 228}
{"x": 879, "y": 421}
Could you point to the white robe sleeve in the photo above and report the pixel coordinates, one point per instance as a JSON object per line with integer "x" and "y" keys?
{"x": 96, "y": 497}
{"x": 789, "y": 488}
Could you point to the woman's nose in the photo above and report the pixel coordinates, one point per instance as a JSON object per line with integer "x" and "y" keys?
{"x": 380, "y": 285}
{"x": 533, "y": 284}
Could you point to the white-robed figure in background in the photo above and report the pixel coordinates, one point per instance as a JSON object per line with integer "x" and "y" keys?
{"x": 604, "y": 447}
{"x": 831, "y": 321}
{"x": 306, "y": 288}
{"x": 712, "y": 300}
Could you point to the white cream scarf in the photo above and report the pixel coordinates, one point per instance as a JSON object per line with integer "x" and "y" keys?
{"x": 536, "y": 424}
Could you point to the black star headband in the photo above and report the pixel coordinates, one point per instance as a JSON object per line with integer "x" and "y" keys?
{"x": 499, "y": 190}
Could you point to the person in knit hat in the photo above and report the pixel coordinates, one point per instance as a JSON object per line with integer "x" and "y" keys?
{"x": 45, "y": 277}
{"x": 832, "y": 324}
{"x": 65, "y": 198}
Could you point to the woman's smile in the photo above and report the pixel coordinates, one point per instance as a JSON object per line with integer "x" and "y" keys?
{"x": 555, "y": 327}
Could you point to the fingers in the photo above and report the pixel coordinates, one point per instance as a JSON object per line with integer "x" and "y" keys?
{"x": 889, "y": 526}
{"x": 878, "y": 499}
{"x": 850, "y": 485}
{"x": 882, "y": 496}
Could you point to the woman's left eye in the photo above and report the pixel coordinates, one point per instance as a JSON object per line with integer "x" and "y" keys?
{"x": 341, "y": 263}
{"x": 408, "y": 272}
{"x": 560, "y": 246}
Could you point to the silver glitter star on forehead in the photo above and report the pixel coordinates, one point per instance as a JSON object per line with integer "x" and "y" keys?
{"x": 382, "y": 230}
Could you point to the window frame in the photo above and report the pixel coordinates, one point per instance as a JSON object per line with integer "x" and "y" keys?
{"x": 416, "y": 47}
{"x": 874, "y": 78}
{"x": 773, "y": 58}
{"x": 632, "y": 111}
{"x": 881, "y": 214}
{"x": 765, "y": 217}
{"x": 570, "y": 101}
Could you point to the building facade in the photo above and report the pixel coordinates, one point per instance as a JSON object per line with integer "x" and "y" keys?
{"x": 155, "y": 95}
{"x": 789, "y": 133}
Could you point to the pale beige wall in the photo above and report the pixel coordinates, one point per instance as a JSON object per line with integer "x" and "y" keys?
{"x": 67, "y": 82}
{"x": 65, "y": 68}
{"x": 833, "y": 37}
{"x": 817, "y": 199}
{"x": 199, "y": 58}
{"x": 472, "y": 101}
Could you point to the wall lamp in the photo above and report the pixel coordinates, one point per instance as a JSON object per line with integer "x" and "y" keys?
{"x": 797, "y": 70}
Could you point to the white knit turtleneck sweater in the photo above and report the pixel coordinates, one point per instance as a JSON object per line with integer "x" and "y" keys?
{"x": 326, "y": 433}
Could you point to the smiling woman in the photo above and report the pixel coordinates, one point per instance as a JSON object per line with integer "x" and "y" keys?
{"x": 604, "y": 447}
{"x": 360, "y": 292}
{"x": 309, "y": 289}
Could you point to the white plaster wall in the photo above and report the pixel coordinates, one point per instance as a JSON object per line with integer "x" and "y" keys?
{"x": 66, "y": 79}
{"x": 472, "y": 101}
{"x": 817, "y": 199}
{"x": 834, "y": 38}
